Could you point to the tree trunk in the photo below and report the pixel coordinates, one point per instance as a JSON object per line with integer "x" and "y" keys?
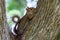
{"x": 4, "y": 34}
{"x": 46, "y": 23}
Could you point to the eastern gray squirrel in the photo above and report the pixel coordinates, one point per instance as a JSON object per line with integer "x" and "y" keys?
{"x": 20, "y": 23}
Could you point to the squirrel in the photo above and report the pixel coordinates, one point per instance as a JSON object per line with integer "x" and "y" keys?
{"x": 21, "y": 22}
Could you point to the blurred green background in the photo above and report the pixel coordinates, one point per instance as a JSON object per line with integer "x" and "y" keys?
{"x": 14, "y": 7}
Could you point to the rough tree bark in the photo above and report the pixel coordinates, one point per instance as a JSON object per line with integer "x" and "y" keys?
{"x": 4, "y": 34}
{"x": 46, "y": 23}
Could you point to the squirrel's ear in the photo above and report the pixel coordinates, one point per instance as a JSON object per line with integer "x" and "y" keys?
{"x": 15, "y": 18}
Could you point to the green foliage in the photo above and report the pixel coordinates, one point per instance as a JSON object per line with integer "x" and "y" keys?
{"x": 12, "y": 13}
{"x": 10, "y": 22}
{"x": 15, "y": 7}
{"x": 17, "y": 4}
